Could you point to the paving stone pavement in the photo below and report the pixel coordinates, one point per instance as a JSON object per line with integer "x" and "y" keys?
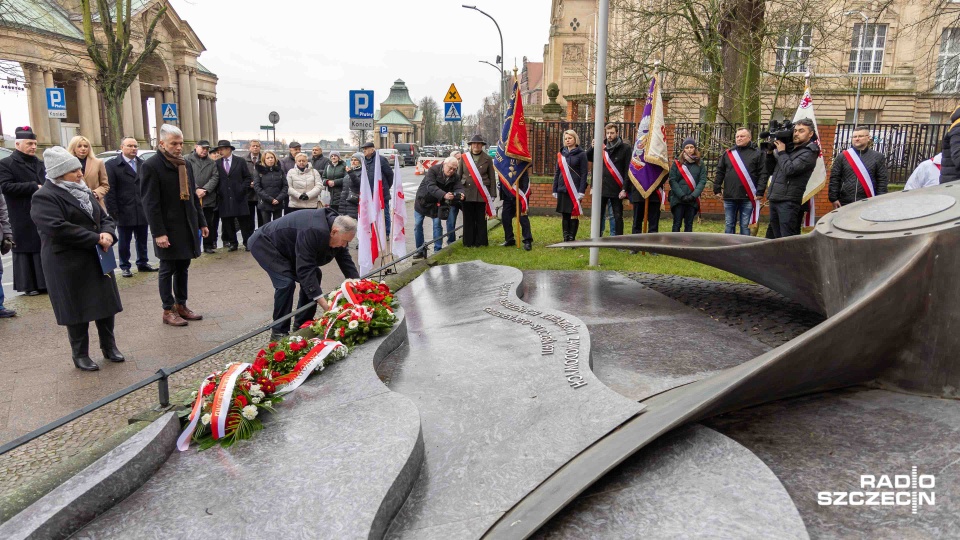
{"x": 754, "y": 309}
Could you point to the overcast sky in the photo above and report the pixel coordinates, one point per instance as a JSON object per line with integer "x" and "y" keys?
{"x": 301, "y": 58}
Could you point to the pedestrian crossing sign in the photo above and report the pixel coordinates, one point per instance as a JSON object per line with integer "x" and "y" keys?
{"x": 169, "y": 111}
{"x": 452, "y": 112}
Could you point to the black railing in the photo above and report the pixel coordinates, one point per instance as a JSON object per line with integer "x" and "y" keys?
{"x": 904, "y": 145}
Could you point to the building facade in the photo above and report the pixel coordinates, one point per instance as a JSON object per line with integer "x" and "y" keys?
{"x": 402, "y": 117}
{"x": 45, "y": 37}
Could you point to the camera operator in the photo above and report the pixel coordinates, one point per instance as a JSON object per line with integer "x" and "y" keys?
{"x": 440, "y": 190}
{"x": 792, "y": 169}
{"x": 859, "y": 172}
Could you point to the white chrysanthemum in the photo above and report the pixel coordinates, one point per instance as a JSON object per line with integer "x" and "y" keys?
{"x": 247, "y": 375}
{"x": 254, "y": 388}
{"x": 205, "y": 419}
{"x": 250, "y": 412}
{"x": 255, "y": 399}
{"x": 352, "y": 324}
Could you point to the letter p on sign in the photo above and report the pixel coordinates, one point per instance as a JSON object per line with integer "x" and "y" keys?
{"x": 361, "y": 104}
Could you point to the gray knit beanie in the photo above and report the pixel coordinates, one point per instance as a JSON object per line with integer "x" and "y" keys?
{"x": 59, "y": 162}
{"x": 358, "y": 156}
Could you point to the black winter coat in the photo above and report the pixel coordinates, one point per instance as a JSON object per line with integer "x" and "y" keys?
{"x": 234, "y": 188}
{"x": 433, "y": 188}
{"x": 336, "y": 174}
{"x": 270, "y": 185}
{"x": 386, "y": 170}
{"x": 620, "y": 153}
{"x": 167, "y": 215}
{"x": 727, "y": 182}
{"x": 297, "y": 245}
{"x": 350, "y": 196}
{"x": 791, "y": 172}
{"x": 79, "y": 290}
{"x": 20, "y": 177}
{"x": 844, "y": 185}
{"x": 577, "y": 159}
{"x": 950, "y": 166}
{"x": 123, "y": 199}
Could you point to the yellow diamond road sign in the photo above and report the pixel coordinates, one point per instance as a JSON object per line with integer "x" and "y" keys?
{"x": 452, "y": 95}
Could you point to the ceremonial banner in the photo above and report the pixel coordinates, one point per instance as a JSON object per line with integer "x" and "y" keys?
{"x": 398, "y": 240}
{"x": 819, "y": 177}
{"x": 649, "y": 163}
{"x": 513, "y": 158}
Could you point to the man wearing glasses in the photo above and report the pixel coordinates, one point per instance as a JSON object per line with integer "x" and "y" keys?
{"x": 124, "y": 205}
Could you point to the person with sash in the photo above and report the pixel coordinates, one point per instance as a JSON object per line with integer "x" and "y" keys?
{"x": 926, "y": 174}
{"x": 479, "y": 181}
{"x": 859, "y": 172}
{"x": 616, "y": 162}
{"x": 570, "y": 183}
{"x": 688, "y": 177}
{"x": 739, "y": 182}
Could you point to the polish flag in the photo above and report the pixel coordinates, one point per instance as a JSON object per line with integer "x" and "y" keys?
{"x": 398, "y": 240}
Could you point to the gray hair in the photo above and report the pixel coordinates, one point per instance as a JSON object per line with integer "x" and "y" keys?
{"x": 345, "y": 224}
{"x": 167, "y": 131}
{"x": 450, "y": 160}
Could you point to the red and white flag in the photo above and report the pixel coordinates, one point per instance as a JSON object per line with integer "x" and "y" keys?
{"x": 370, "y": 226}
{"x": 398, "y": 205}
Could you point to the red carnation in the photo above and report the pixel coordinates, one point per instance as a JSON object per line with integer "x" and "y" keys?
{"x": 208, "y": 389}
{"x": 275, "y": 374}
{"x": 279, "y": 356}
{"x": 272, "y": 345}
{"x": 259, "y": 364}
{"x": 262, "y": 354}
{"x": 241, "y": 401}
{"x": 342, "y": 331}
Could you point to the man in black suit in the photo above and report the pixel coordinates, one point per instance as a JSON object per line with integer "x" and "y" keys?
{"x": 125, "y": 207}
{"x": 292, "y": 249}
{"x": 235, "y": 184}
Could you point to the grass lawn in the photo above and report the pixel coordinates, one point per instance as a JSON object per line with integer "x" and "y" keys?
{"x": 546, "y": 231}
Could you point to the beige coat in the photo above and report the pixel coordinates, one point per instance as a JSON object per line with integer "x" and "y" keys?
{"x": 95, "y": 176}
{"x": 308, "y": 182}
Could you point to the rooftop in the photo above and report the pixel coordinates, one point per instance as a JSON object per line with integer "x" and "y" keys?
{"x": 39, "y": 15}
{"x": 399, "y": 94}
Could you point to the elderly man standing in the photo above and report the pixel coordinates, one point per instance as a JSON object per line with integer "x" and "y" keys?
{"x": 369, "y": 154}
{"x": 253, "y": 159}
{"x": 235, "y": 184}
{"x": 22, "y": 174}
{"x": 318, "y": 160}
{"x": 207, "y": 178}
{"x": 859, "y": 172}
{"x": 6, "y": 244}
{"x": 176, "y": 219}
{"x": 124, "y": 205}
{"x": 292, "y": 249}
{"x": 479, "y": 188}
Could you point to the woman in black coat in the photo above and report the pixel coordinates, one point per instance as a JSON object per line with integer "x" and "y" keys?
{"x": 577, "y": 161}
{"x": 333, "y": 177}
{"x": 74, "y": 228}
{"x": 271, "y": 187}
{"x": 350, "y": 196}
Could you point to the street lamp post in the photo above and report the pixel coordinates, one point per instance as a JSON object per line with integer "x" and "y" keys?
{"x": 500, "y": 59}
{"x": 863, "y": 32}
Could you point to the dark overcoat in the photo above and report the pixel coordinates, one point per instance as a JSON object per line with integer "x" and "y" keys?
{"x": 167, "y": 215}
{"x": 270, "y": 184}
{"x": 79, "y": 290}
{"x": 123, "y": 199}
{"x": 20, "y": 177}
{"x": 234, "y": 188}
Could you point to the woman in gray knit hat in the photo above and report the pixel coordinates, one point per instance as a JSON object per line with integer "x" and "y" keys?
{"x": 73, "y": 229}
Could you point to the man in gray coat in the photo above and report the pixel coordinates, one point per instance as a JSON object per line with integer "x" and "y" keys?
{"x": 6, "y": 244}
{"x": 207, "y": 178}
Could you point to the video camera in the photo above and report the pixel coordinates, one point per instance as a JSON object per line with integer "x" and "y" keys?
{"x": 777, "y": 131}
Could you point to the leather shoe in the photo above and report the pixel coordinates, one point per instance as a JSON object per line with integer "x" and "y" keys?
{"x": 172, "y": 318}
{"x": 527, "y": 246}
{"x": 277, "y": 337}
{"x": 233, "y": 247}
{"x": 186, "y": 313}
{"x": 419, "y": 255}
{"x": 509, "y": 243}
{"x": 113, "y": 354}
{"x": 209, "y": 251}
{"x": 7, "y": 313}
{"x": 85, "y": 363}
{"x": 146, "y": 268}
{"x": 127, "y": 273}
{"x": 32, "y": 293}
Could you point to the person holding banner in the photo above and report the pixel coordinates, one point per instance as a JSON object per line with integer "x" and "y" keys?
{"x": 740, "y": 183}
{"x": 569, "y": 183}
{"x": 859, "y": 172}
{"x": 479, "y": 182}
{"x": 688, "y": 177}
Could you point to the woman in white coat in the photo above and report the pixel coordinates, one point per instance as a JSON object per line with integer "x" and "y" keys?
{"x": 304, "y": 185}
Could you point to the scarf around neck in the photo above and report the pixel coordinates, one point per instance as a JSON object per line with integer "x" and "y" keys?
{"x": 181, "y": 173}
{"x": 80, "y": 191}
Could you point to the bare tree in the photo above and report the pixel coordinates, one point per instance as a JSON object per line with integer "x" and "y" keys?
{"x": 431, "y": 120}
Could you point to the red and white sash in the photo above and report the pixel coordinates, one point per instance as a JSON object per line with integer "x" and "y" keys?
{"x": 860, "y": 170}
{"x": 183, "y": 442}
{"x": 612, "y": 169}
{"x": 223, "y": 399}
{"x": 744, "y": 175}
{"x": 811, "y": 216}
{"x": 478, "y": 180}
{"x": 937, "y": 165}
{"x": 571, "y": 187}
{"x": 311, "y": 362}
{"x": 687, "y": 176}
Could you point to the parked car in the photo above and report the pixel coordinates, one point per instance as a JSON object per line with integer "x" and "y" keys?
{"x": 408, "y": 152}
{"x": 4, "y": 152}
{"x": 428, "y": 151}
{"x": 389, "y": 153}
{"x": 143, "y": 153}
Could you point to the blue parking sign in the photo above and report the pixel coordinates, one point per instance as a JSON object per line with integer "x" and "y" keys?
{"x": 361, "y": 104}
{"x": 57, "y": 102}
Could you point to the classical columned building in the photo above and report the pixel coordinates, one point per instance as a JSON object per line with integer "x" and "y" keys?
{"x": 45, "y": 37}
{"x": 403, "y": 118}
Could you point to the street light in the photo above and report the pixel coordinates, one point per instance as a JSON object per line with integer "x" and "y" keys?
{"x": 863, "y": 32}
{"x": 499, "y": 59}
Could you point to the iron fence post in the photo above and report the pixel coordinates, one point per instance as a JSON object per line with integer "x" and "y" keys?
{"x": 164, "y": 387}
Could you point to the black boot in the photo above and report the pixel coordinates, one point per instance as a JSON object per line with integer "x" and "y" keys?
{"x": 574, "y": 225}
{"x": 108, "y": 342}
{"x": 79, "y": 346}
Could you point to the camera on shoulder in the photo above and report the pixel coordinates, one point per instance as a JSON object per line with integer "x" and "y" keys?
{"x": 778, "y": 131}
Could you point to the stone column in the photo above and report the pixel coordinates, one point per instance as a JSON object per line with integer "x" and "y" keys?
{"x": 53, "y": 122}
{"x": 38, "y": 103}
{"x": 97, "y": 136}
{"x": 83, "y": 104}
{"x": 185, "y": 110}
{"x": 195, "y": 103}
{"x": 213, "y": 118}
{"x": 206, "y": 106}
{"x": 126, "y": 116}
{"x": 145, "y": 113}
{"x": 158, "y": 101}
{"x": 136, "y": 108}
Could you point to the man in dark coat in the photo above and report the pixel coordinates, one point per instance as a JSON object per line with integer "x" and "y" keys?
{"x": 252, "y": 159}
{"x": 173, "y": 211}
{"x": 440, "y": 189}
{"x": 789, "y": 180}
{"x": 6, "y": 244}
{"x": 292, "y": 249}
{"x": 290, "y": 160}
{"x": 474, "y": 203}
{"x": 318, "y": 160}
{"x": 124, "y": 205}
{"x": 845, "y": 186}
{"x": 207, "y": 178}
{"x": 22, "y": 174}
{"x": 235, "y": 185}
{"x": 950, "y": 163}
{"x": 727, "y": 184}
{"x": 612, "y": 192}
{"x": 369, "y": 154}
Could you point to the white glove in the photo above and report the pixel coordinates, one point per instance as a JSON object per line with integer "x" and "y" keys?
{"x": 554, "y": 195}
{"x": 580, "y": 197}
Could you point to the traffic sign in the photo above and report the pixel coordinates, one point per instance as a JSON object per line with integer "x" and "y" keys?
{"x": 383, "y": 131}
{"x": 452, "y": 112}
{"x": 361, "y": 105}
{"x": 365, "y": 124}
{"x": 267, "y": 128}
{"x": 452, "y": 95}
{"x": 273, "y": 117}
{"x": 169, "y": 111}
{"x": 56, "y": 102}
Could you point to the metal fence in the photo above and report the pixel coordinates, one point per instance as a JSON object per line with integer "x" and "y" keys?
{"x": 904, "y": 145}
